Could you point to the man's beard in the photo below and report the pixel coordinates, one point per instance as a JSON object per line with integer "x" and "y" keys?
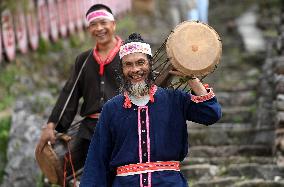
{"x": 138, "y": 89}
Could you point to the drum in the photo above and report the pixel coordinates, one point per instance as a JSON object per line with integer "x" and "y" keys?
{"x": 193, "y": 48}
{"x": 55, "y": 159}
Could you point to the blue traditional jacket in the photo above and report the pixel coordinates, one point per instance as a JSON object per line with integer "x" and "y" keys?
{"x": 128, "y": 134}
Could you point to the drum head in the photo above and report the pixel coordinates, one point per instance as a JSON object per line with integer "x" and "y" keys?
{"x": 194, "y": 48}
{"x": 50, "y": 165}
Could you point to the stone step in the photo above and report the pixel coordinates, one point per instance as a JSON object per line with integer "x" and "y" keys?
{"x": 221, "y": 161}
{"x": 237, "y": 114}
{"x": 243, "y": 98}
{"x": 237, "y": 182}
{"x": 219, "y": 182}
{"x": 230, "y": 150}
{"x": 229, "y": 134}
{"x": 254, "y": 170}
{"x": 231, "y": 80}
{"x": 205, "y": 172}
{"x": 260, "y": 183}
{"x": 200, "y": 172}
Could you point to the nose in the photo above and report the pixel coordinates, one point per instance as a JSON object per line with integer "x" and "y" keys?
{"x": 98, "y": 27}
{"x": 135, "y": 68}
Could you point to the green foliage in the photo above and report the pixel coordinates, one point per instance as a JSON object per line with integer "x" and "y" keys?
{"x": 44, "y": 46}
{"x": 54, "y": 185}
{"x": 4, "y": 136}
{"x": 13, "y": 5}
{"x": 39, "y": 181}
{"x": 57, "y": 46}
{"x": 75, "y": 41}
{"x": 6, "y": 101}
{"x": 126, "y": 26}
{"x": 7, "y": 78}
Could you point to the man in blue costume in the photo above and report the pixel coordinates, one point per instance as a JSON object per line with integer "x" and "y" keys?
{"x": 141, "y": 135}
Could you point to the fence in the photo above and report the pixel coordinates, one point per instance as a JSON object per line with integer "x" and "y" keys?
{"x": 46, "y": 19}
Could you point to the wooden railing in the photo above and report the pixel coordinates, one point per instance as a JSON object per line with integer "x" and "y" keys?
{"x": 46, "y": 19}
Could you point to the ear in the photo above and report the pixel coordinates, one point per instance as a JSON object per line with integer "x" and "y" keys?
{"x": 114, "y": 25}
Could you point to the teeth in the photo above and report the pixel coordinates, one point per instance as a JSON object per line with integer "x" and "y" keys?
{"x": 137, "y": 76}
{"x": 100, "y": 35}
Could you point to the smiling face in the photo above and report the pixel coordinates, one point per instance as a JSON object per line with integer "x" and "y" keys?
{"x": 135, "y": 67}
{"x": 102, "y": 30}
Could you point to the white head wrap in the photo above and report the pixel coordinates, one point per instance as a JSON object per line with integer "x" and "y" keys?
{"x": 134, "y": 47}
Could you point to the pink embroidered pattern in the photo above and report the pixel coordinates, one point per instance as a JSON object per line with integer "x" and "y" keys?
{"x": 202, "y": 98}
{"x": 135, "y": 47}
{"x": 99, "y": 14}
{"x": 127, "y": 103}
{"x": 148, "y": 142}
{"x": 140, "y": 142}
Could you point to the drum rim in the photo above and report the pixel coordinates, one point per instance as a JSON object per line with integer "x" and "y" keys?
{"x": 185, "y": 70}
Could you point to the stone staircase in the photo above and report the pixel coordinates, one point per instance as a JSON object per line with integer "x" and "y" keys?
{"x": 238, "y": 151}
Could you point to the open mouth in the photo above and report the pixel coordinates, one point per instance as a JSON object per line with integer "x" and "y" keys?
{"x": 137, "y": 77}
{"x": 101, "y": 35}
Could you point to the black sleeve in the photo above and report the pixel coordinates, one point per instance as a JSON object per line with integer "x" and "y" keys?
{"x": 72, "y": 106}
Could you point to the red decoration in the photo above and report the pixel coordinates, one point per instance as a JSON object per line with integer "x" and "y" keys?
{"x": 8, "y": 35}
{"x": 202, "y": 98}
{"x": 62, "y": 17}
{"x": 53, "y": 19}
{"x": 110, "y": 56}
{"x": 0, "y": 46}
{"x": 32, "y": 25}
{"x": 70, "y": 16}
{"x": 21, "y": 31}
{"x": 43, "y": 19}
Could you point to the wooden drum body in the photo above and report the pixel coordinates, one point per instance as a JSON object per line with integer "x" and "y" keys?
{"x": 194, "y": 48}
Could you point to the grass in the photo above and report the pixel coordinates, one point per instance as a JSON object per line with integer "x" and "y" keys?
{"x": 7, "y": 79}
{"x": 4, "y": 136}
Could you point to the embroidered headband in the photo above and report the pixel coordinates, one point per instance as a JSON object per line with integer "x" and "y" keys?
{"x": 134, "y": 47}
{"x": 99, "y": 14}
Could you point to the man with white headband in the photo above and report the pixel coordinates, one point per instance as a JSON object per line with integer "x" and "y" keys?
{"x": 96, "y": 83}
{"x": 141, "y": 136}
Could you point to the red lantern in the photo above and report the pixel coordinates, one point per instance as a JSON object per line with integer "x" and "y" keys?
{"x": 86, "y": 8}
{"x": 8, "y": 35}
{"x": 62, "y": 16}
{"x": 42, "y": 12}
{"x": 21, "y": 31}
{"x": 32, "y": 26}
{"x": 0, "y": 46}
{"x": 53, "y": 21}
{"x": 70, "y": 17}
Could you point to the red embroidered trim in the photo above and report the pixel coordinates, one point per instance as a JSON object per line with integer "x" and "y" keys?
{"x": 127, "y": 103}
{"x": 202, "y": 98}
{"x": 206, "y": 86}
{"x": 148, "y": 167}
{"x": 110, "y": 56}
{"x": 152, "y": 91}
